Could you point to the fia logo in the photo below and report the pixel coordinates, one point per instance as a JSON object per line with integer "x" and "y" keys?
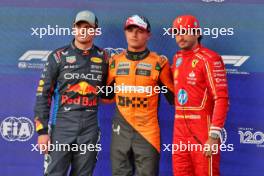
{"x": 17, "y": 129}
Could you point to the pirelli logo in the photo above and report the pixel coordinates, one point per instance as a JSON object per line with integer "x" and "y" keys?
{"x": 133, "y": 102}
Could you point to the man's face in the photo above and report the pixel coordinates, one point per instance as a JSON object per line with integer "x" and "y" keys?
{"x": 84, "y": 34}
{"x": 187, "y": 42}
{"x": 136, "y": 37}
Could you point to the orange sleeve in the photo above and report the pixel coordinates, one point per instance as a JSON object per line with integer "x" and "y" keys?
{"x": 166, "y": 79}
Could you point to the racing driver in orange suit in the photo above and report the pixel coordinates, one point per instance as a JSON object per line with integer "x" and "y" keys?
{"x": 138, "y": 75}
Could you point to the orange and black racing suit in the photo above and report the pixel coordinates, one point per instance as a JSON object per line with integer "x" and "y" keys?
{"x": 138, "y": 78}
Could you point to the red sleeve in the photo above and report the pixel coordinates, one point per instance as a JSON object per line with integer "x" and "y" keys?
{"x": 217, "y": 83}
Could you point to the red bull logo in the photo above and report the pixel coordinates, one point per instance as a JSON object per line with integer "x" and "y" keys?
{"x": 84, "y": 101}
{"x": 83, "y": 89}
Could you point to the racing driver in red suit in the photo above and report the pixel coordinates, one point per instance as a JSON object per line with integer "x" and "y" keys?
{"x": 201, "y": 101}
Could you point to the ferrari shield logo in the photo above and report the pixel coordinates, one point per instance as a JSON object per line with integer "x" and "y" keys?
{"x": 194, "y": 63}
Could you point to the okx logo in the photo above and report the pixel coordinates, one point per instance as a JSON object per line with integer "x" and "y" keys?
{"x": 17, "y": 129}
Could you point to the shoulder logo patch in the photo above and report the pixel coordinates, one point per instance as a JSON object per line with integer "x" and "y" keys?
{"x": 96, "y": 60}
{"x": 194, "y": 63}
{"x": 71, "y": 59}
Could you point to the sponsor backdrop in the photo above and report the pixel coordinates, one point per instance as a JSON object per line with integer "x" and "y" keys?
{"x": 23, "y": 53}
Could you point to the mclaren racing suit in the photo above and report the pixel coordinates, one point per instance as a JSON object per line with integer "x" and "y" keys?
{"x": 201, "y": 105}
{"x": 70, "y": 78}
{"x": 138, "y": 79}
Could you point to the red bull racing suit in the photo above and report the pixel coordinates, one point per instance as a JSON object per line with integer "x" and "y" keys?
{"x": 70, "y": 79}
{"x": 136, "y": 133}
{"x": 201, "y": 105}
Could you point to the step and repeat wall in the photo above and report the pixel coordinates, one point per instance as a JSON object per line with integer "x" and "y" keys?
{"x": 30, "y": 30}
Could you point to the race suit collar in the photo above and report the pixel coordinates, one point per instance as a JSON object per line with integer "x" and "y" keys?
{"x": 82, "y": 52}
{"x": 192, "y": 51}
{"x": 137, "y": 55}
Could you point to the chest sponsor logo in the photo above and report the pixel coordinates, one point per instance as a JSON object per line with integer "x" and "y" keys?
{"x": 145, "y": 66}
{"x": 220, "y": 80}
{"x": 123, "y": 65}
{"x": 79, "y": 100}
{"x": 192, "y": 74}
{"x": 178, "y": 62}
{"x": 123, "y": 68}
{"x": 194, "y": 63}
{"x": 182, "y": 96}
{"x": 122, "y": 72}
{"x": 78, "y": 94}
{"x": 83, "y": 76}
{"x": 133, "y": 102}
{"x": 191, "y": 78}
{"x": 82, "y": 88}
{"x": 96, "y": 60}
{"x": 96, "y": 69}
{"x": 143, "y": 72}
{"x": 144, "y": 69}
{"x": 71, "y": 59}
{"x": 217, "y": 64}
{"x": 71, "y": 66}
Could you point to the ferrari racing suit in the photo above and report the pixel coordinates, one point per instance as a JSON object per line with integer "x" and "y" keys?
{"x": 201, "y": 105}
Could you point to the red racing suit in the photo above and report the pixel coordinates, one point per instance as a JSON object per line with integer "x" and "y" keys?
{"x": 201, "y": 105}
